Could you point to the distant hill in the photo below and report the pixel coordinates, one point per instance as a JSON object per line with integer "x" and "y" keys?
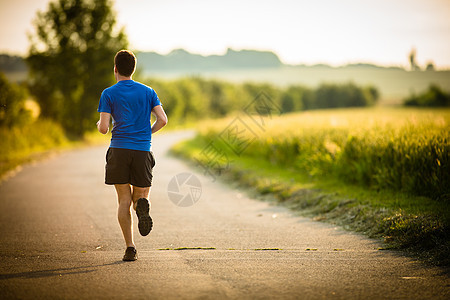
{"x": 12, "y": 63}
{"x": 181, "y": 60}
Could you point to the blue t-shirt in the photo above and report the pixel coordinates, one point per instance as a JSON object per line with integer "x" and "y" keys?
{"x": 130, "y": 103}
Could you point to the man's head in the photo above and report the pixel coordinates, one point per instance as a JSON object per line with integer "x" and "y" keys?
{"x": 125, "y": 63}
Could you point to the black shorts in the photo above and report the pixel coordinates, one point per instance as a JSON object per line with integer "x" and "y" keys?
{"x": 129, "y": 166}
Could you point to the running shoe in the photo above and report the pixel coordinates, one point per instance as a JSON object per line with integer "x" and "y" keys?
{"x": 130, "y": 254}
{"x": 145, "y": 222}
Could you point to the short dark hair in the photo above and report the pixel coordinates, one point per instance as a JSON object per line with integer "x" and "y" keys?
{"x": 125, "y": 62}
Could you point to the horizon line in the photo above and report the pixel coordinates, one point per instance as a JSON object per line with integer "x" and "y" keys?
{"x": 317, "y": 63}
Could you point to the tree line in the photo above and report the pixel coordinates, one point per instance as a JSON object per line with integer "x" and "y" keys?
{"x": 191, "y": 98}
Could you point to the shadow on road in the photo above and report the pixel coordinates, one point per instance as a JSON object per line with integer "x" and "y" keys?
{"x": 57, "y": 272}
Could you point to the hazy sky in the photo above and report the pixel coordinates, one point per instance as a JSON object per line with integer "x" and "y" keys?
{"x": 311, "y": 31}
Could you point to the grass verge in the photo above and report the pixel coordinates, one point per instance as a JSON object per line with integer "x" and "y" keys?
{"x": 36, "y": 141}
{"x": 415, "y": 224}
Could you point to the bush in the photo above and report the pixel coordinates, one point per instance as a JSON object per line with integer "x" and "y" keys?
{"x": 12, "y": 104}
{"x": 292, "y": 99}
{"x": 20, "y": 143}
{"x": 348, "y": 95}
{"x": 433, "y": 97}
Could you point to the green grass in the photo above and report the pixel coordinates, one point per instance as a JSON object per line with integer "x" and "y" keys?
{"x": 406, "y": 150}
{"x": 37, "y": 140}
{"x": 404, "y": 219}
{"x": 28, "y": 142}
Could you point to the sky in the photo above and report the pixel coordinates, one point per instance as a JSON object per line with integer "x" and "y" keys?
{"x": 334, "y": 32}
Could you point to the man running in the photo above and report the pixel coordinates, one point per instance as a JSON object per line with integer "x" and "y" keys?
{"x": 129, "y": 161}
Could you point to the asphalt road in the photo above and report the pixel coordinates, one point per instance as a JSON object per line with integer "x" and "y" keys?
{"x": 60, "y": 239}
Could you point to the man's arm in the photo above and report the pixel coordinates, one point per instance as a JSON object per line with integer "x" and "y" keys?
{"x": 103, "y": 123}
{"x": 161, "y": 118}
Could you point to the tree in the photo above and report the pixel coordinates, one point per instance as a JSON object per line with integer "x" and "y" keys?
{"x": 372, "y": 95}
{"x": 412, "y": 60}
{"x": 433, "y": 97}
{"x": 430, "y": 66}
{"x": 346, "y": 95}
{"x": 291, "y": 98}
{"x": 217, "y": 100}
{"x": 71, "y": 60}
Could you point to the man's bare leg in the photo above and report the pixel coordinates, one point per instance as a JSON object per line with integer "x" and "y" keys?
{"x": 123, "y": 212}
{"x": 140, "y": 192}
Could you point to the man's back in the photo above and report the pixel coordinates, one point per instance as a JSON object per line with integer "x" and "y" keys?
{"x": 130, "y": 103}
